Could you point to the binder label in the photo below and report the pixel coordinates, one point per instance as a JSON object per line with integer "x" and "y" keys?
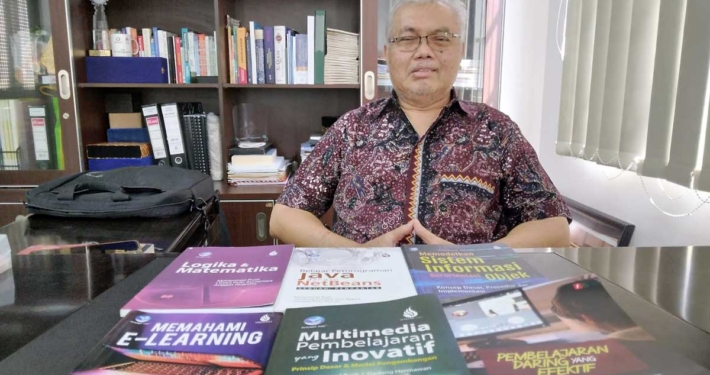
{"x": 156, "y": 136}
{"x": 39, "y": 133}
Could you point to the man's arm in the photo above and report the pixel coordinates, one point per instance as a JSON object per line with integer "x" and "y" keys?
{"x": 303, "y": 229}
{"x": 550, "y": 232}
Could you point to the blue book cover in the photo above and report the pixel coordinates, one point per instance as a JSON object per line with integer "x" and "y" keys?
{"x": 155, "y": 46}
{"x": 269, "y": 62}
{"x": 454, "y": 272}
{"x": 128, "y": 135}
{"x": 184, "y": 54}
{"x": 259, "y": 45}
{"x": 198, "y": 343}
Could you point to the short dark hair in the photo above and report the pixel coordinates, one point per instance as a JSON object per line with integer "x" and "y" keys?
{"x": 589, "y": 298}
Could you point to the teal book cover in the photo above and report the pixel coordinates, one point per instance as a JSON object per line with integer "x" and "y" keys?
{"x": 453, "y": 272}
{"x": 409, "y": 335}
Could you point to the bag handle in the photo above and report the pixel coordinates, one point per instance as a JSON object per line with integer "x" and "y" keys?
{"x": 67, "y": 193}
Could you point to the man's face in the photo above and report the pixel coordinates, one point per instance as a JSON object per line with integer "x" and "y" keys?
{"x": 427, "y": 71}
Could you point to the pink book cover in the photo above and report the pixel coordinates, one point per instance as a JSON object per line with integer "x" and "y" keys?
{"x": 216, "y": 279}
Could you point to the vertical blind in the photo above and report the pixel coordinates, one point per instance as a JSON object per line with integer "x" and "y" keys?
{"x": 16, "y": 69}
{"x": 635, "y": 87}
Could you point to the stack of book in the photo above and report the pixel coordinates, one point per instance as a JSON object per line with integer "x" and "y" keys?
{"x": 342, "y": 63}
{"x": 257, "y": 166}
{"x": 189, "y": 54}
{"x": 279, "y": 55}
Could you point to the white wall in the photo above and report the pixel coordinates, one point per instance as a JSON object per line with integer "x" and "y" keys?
{"x": 530, "y": 94}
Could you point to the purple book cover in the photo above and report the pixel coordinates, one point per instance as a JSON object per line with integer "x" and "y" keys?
{"x": 144, "y": 343}
{"x": 214, "y": 279}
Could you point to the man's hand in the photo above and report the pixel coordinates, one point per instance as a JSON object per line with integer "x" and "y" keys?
{"x": 391, "y": 239}
{"x": 427, "y": 236}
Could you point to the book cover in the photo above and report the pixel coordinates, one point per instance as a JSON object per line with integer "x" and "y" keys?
{"x": 320, "y": 48}
{"x": 463, "y": 271}
{"x": 301, "y": 65}
{"x": 311, "y": 28}
{"x": 405, "y": 336}
{"x": 242, "y": 55}
{"x": 568, "y": 326}
{"x": 341, "y": 276}
{"x": 185, "y": 55}
{"x": 216, "y": 279}
{"x": 280, "y": 33}
{"x": 203, "y": 343}
{"x": 269, "y": 54}
{"x": 260, "y": 65}
{"x": 253, "y": 66}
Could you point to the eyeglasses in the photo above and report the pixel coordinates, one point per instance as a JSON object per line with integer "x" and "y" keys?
{"x": 410, "y": 43}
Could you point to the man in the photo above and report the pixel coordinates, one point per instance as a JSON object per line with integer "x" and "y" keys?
{"x": 422, "y": 166}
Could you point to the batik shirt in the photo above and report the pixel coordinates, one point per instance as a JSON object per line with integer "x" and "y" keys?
{"x": 471, "y": 178}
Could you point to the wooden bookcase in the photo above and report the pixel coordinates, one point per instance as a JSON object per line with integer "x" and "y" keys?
{"x": 294, "y": 111}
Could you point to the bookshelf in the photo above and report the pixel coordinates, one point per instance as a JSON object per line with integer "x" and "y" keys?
{"x": 295, "y": 111}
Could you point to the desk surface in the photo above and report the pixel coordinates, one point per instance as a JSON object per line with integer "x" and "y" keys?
{"x": 166, "y": 234}
{"x": 670, "y": 281}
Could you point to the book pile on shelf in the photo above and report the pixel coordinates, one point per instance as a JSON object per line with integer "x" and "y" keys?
{"x": 474, "y": 309}
{"x": 279, "y": 55}
{"x": 30, "y": 135}
{"x": 342, "y": 63}
{"x": 257, "y": 164}
{"x": 190, "y": 55}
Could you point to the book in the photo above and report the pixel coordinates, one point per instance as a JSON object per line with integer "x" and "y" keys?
{"x": 311, "y": 28}
{"x": 343, "y": 276}
{"x": 253, "y": 26}
{"x": 301, "y": 65}
{"x": 242, "y": 55}
{"x": 260, "y": 66}
{"x": 280, "y": 35}
{"x": 266, "y": 159}
{"x": 453, "y": 272}
{"x": 567, "y": 326}
{"x": 118, "y": 150}
{"x": 144, "y": 343}
{"x": 404, "y": 336}
{"x": 216, "y": 279}
{"x": 320, "y": 48}
{"x": 269, "y": 67}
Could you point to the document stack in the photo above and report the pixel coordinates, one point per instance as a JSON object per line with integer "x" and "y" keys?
{"x": 267, "y": 169}
{"x": 342, "y": 64}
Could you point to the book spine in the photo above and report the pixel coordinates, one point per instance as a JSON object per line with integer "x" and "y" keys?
{"x": 196, "y": 53}
{"x": 147, "y": 45}
{"x": 311, "y": 49}
{"x": 252, "y": 43}
{"x": 171, "y": 59}
{"x": 185, "y": 55}
{"x": 250, "y": 69}
{"x": 242, "y": 55}
{"x": 280, "y": 54}
{"x": 141, "y": 47}
{"x": 259, "y": 42}
{"x": 231, "y": 54}
{"x": 133, "y": 33}
{"x": 320, "y": 48}
{"x": 208, "y": 55}
{"x": 178, "y": 59}
{"x": 269, "y": 68}
{"x": 301, "y": 76}
{"x": 202, "y": 53}
{"x": 213, "y": 51}
{"x": 59, "y": 146}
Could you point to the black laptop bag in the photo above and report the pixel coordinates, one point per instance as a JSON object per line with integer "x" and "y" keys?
{"x": 154, "y": 191}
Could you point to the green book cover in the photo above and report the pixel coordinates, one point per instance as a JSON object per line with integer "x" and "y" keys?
{"x": 320, "y": 48}
{"x": 58, "y": 148}
{"x": 409, "y": 335}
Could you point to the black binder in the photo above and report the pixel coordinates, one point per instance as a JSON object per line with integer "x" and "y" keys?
{"x": 156, "y": 132}
{"x": 172, "y": 122}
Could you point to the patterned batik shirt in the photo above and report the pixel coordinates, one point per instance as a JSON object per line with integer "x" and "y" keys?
{"x": 470, "y": 179}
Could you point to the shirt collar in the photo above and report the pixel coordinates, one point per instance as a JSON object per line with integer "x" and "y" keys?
{"x": 455, "y": 103}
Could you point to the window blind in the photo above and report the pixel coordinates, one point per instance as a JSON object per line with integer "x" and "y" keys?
{"x": 635, "y": 87}
{"x": 16, "y": 65}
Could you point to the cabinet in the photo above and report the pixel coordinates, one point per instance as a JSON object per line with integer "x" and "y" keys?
{"x": 294, "y": 111}
{"x": 248, "y": 221}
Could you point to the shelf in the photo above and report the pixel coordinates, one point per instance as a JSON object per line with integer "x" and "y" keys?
{"x": 317, "y": 87}
{"x": 150, "y": 85}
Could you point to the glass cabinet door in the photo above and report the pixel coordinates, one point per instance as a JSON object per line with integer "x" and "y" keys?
{"x": 470, "y": 80}
{"x": 38, "y": 138}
